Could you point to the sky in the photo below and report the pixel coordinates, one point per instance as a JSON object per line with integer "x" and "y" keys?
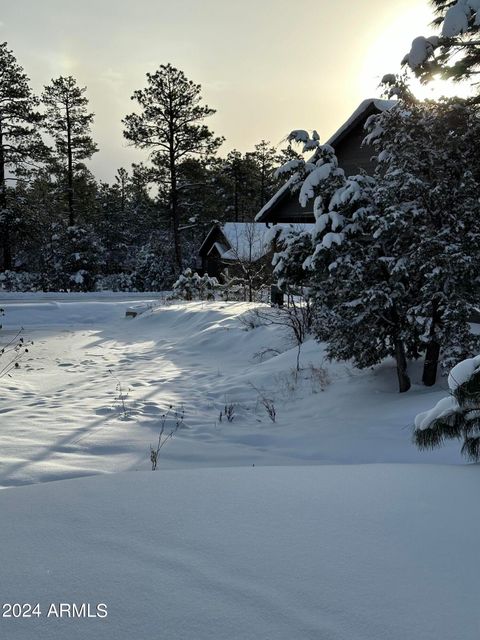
{"x": 266, "y": 66}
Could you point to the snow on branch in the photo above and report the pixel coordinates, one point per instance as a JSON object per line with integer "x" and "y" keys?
{"x": 318, "y": 175}
{"x": 456, "y": 416}
{"x": 288, "y": 167}
{"x": 301, "y": 136}
{"x": 420, "y": 51}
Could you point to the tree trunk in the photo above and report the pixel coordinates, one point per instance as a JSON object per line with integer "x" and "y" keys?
{"x": 403, "y": 379}
{"x": 5, "y": 226}
{"x": 432, "y": 354}
{"x": 263, "y": 197}
{"x": 175, "y": 213}
{"x": 71, "y": 213}
{"x": 430, "y": 366}
{"x": 235, "y": 198}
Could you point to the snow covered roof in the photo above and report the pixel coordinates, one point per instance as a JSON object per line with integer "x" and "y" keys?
{"x": 248, "y": 241}
{"x": 357, "y": 115}
{"x": 277, "y": 197}
{"x": 371, "y": 104}
{"x": 220, "y": 247}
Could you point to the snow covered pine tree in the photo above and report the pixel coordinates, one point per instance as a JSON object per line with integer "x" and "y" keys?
{"x": 359, "y": 303}
{"x": 20, "y": 142}
{"x": 393, "y": 270}
{"x": 426, "y": 196}
{"x": 455, "y": 53}
{"x": 458, "y": 415}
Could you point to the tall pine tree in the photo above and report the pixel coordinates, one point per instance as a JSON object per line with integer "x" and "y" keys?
{"x": 171, "y": 126}
{"x": 19, "y": 139}
{"x": 68, "y": 121}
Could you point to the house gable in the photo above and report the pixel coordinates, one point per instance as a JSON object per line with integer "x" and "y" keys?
{"x": 352, "y": 158}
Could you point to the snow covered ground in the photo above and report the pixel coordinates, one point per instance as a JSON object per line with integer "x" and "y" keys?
{"x": 250, "y": 528}
{"x": 370, "y": 552}
{"x": 61, "y": 415}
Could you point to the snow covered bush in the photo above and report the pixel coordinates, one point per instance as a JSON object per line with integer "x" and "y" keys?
{"x": 116, "y": 282}
{"x": 456, "y": 416}
{"x": 150, "y": 268}
{"x": 319, "y": 377}
{"x": 154, "y": 269}
{"x": 191, "y": 286}
{"x": 19, "y": 281}
{"x": 72, "y": 258}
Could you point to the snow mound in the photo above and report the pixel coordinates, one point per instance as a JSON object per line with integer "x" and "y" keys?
{"x": 64, "y": 416}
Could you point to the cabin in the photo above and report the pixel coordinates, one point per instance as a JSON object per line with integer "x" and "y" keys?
{"x": 229, "y": 245}
{"x": 352, "y": 157}
{"x": 235, "y": 247}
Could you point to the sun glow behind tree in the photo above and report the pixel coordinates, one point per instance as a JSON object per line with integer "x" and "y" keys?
{"x": 391, "y": 41}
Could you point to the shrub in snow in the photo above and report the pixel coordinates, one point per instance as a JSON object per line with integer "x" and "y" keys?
{"x": 319, "y": 378}
{"x": 170, "y": 422}
{"x": 12, "y": 351}
{"x": 228, "y": 412}
{"x": 249, "y": 285}
{"x": 19, "y": 281}
{"x": 121, "y": 398}
{"x": 72, "y": 258}
{"x": 191, "y": 286}
{"x": 154, "y": 268}
{"x": 456, "y": 416}
{"x": 267, "y": 402}
{"x": 296, "y": 318}
{"x": 116, "y": 282}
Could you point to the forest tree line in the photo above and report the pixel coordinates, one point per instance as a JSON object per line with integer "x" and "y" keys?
{"x": 62, "y": 229}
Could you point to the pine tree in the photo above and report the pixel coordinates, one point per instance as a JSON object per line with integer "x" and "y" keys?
{"x": 360, "y": 289}
{"x": 394, "y": 268}
{"x": 457, "y": 416}
{"x": 114, "y": 221}
{"x": 68, "y": 122}
{"x": 455, "y": 53}
{"x": 359, "y": 296}
{"x": 428, "y": 180}
{"x": 19, "y": 139}
{"x": 170, "y": 125}
{"x": 265, "y": 158}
